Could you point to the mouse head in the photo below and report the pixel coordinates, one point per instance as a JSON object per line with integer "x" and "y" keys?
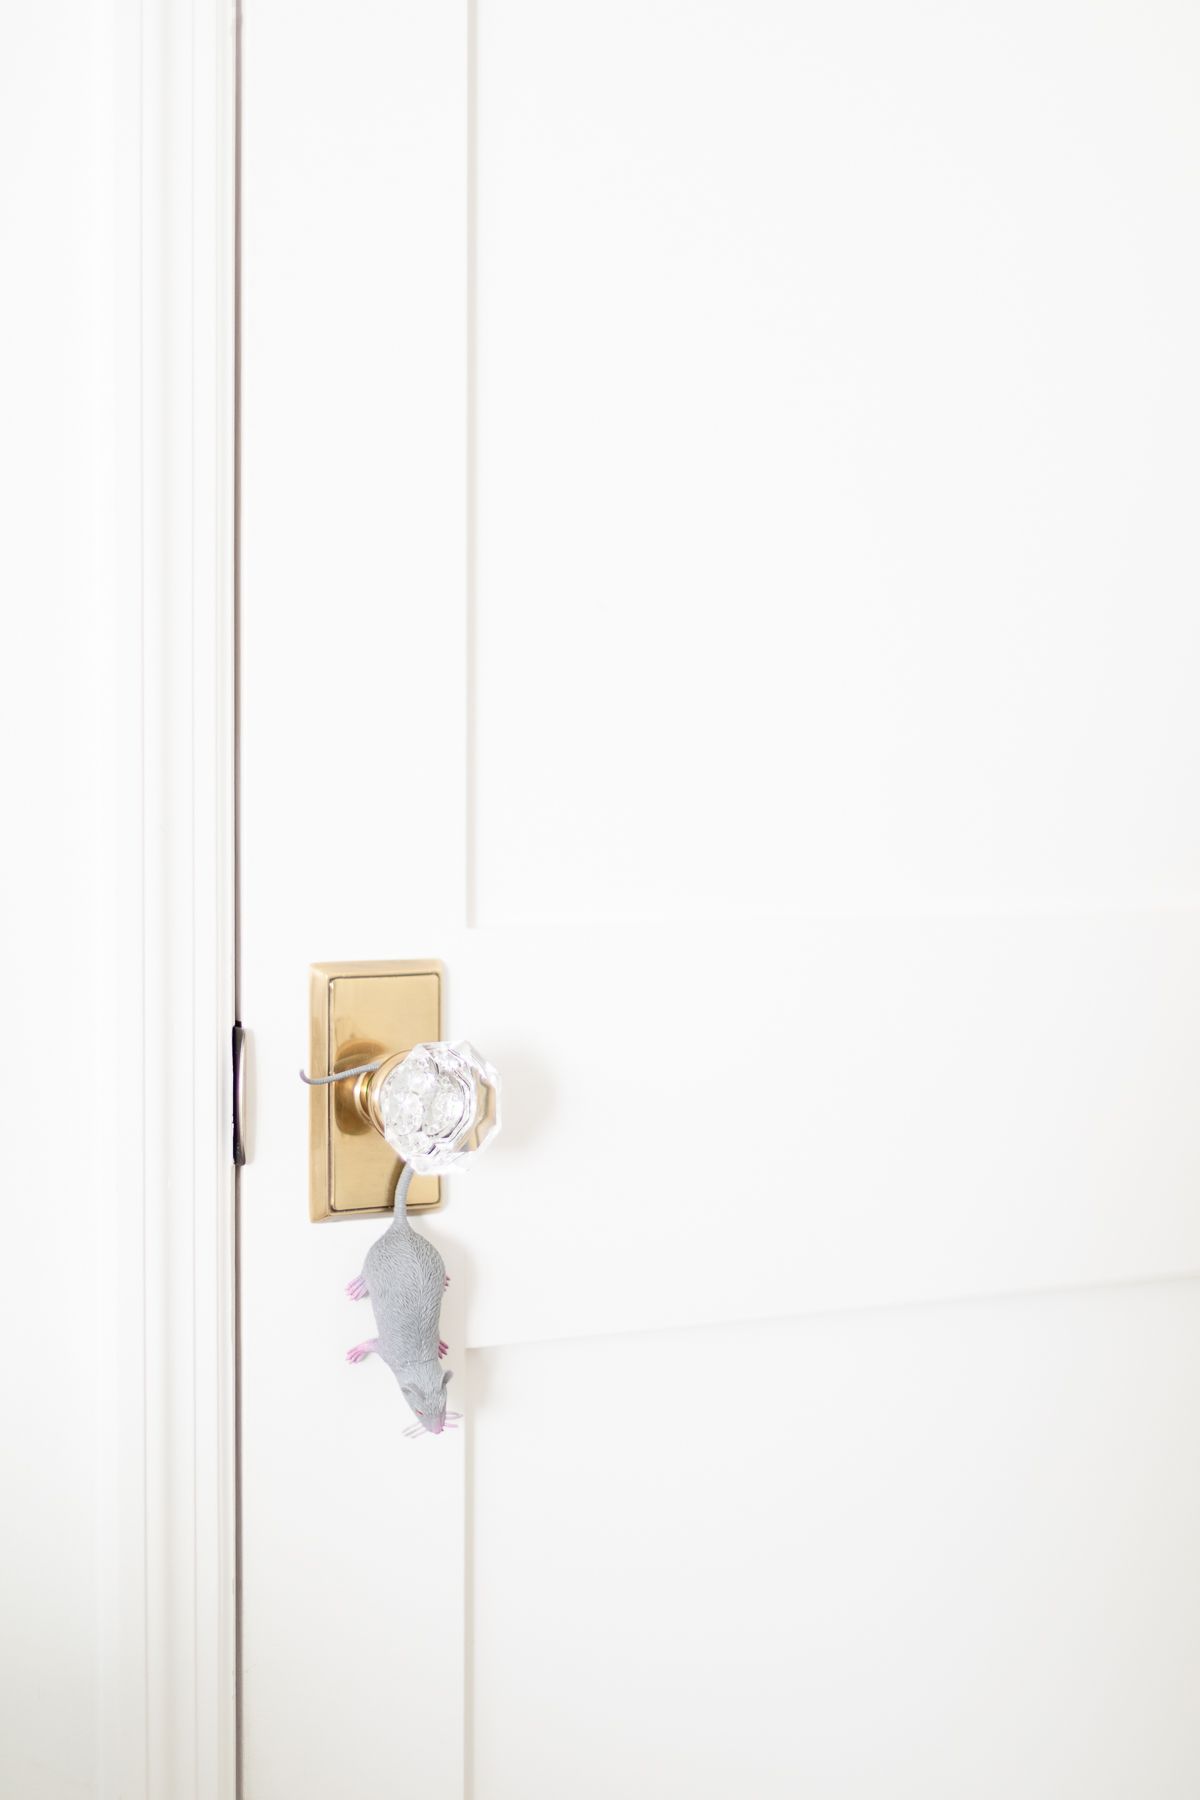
{"x": 424, "y": 1387}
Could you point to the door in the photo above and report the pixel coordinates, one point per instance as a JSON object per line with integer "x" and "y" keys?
{"x": 717, "y": 573}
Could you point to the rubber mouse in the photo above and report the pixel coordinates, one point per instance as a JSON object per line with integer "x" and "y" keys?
{"x": 404, "y": 1278}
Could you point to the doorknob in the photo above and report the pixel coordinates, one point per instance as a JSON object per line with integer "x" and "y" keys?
{"x": 385, "y": 1086}
{"x": 435, "y": 1104}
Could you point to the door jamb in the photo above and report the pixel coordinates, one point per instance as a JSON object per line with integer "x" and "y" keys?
{"x": 168, "y": 1727}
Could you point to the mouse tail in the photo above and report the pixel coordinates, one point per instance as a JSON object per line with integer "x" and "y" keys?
{"x": 400, "y": 1216}
{"x": 341, "y": 1074}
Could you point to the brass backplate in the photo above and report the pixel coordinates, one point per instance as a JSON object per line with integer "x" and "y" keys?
{"x": 359, "y": 1011}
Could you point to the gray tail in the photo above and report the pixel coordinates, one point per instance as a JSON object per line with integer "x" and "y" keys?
{"x": 402, "y": 1187}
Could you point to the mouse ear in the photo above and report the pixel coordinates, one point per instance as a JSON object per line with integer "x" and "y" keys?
{"x": 448, "y": 1376}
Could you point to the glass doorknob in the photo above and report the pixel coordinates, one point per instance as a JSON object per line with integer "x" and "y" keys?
{"x": 436, "y": 1104}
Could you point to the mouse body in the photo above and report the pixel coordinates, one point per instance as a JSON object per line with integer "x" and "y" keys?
{"x": 405, "y": 1278}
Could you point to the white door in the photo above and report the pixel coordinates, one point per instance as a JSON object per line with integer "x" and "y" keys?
{"x": 718, "y": 572}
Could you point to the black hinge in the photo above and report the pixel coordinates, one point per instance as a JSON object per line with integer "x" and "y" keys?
{"x": 239, "y": 1096}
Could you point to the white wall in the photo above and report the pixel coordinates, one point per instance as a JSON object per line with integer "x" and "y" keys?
{"x": 115, "y": 1634}
{"x": 57, "y": 444}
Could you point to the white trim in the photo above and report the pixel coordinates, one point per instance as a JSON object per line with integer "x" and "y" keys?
{"x": 168, "y": 1503}
{"x": 213, "y": 1524}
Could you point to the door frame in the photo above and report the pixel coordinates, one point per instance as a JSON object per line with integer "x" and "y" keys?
{"x": 168, "y": 1489}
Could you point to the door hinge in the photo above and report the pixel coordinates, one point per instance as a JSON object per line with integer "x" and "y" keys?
{"x": 239, "y": 1097}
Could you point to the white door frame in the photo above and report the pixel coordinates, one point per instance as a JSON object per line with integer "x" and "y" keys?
{"x": 168, "y": 1508}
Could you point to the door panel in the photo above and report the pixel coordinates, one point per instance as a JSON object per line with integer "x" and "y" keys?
{"x": 713, "y": 1124}
{"x": 841, "y": 1556}
{"x": 847, "y": 1557}
{"x": 834, "y": 379}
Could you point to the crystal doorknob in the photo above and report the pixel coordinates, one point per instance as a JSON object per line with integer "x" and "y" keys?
{"x": 436, "y": 1104}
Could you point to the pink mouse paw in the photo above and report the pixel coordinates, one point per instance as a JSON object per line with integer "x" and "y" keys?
{"x": 360, "y": 1352}
{"x": 442, "y": 1347}
{"x": 357, "y": 1289}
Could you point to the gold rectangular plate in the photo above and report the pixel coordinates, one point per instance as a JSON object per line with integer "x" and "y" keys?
{"x": 359, "y": 1011}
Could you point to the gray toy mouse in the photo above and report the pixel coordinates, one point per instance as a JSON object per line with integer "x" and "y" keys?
{"x": 405, "y": 1279}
